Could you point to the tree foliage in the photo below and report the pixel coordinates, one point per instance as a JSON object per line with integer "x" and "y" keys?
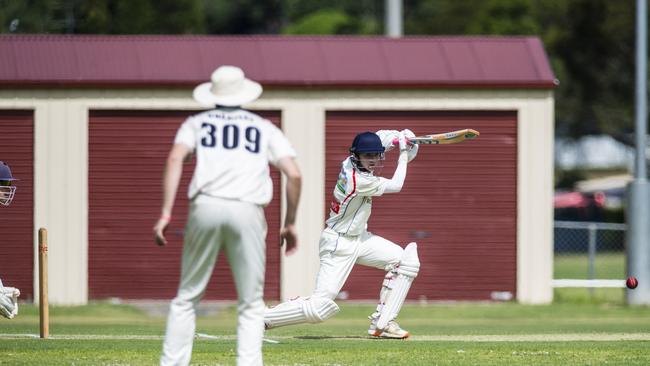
{"x": 102, "y": 16}
{"x": 590, "y": 43}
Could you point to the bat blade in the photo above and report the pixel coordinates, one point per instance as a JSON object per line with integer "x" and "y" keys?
{"x": 452, "y": 137}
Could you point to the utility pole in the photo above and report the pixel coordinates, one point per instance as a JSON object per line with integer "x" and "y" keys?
{"x": 393, "y": 18}
{"x": 638, "y": 205}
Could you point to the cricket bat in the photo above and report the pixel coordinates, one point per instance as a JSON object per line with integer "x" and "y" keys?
{"x": 452, "y": 137}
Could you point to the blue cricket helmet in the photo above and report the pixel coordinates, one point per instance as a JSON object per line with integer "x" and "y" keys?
{"x": 7, "y": 189}
{"x": 367, "y": 142}
{"x": 5, "y": 172}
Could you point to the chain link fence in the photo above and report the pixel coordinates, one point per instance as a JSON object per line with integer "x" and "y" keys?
{"x": 589, "y": 254}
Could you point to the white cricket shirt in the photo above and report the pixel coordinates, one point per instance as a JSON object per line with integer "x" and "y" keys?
{"x": 352, "y": 203}
{"x": 233, "y": 149}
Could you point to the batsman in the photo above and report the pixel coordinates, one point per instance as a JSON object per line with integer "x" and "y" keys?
{"x": 8, "y": 295}
{"x": 346, "y": 240}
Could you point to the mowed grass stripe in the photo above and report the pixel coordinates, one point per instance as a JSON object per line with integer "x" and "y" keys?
{"x": 574, "y": 337}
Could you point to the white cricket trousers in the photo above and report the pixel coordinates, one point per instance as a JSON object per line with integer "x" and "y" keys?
{"x": 240, "y": 229}
{"x": 339, "y": 253}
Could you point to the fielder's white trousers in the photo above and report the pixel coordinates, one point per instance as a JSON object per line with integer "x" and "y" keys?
{"x": 339, "y": 253}
{"x": 240, "y": 229}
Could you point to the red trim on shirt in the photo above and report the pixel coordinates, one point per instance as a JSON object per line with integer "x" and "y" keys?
{"x": 336, "y": 206}
{"x": 354, "y": 185}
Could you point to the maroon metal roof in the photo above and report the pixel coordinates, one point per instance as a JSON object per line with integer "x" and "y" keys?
{"x": 82, "y": 60}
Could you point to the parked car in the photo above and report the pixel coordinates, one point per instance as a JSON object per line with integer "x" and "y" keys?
{"x": 579, "y": 206}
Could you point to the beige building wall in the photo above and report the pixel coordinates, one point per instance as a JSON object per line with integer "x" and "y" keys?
{"x": 61, "y": 156}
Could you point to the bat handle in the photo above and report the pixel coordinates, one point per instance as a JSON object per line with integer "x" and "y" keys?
{"x": 396, "y": 142}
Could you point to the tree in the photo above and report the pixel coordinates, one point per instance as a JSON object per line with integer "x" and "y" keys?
{"x": 30, "y": 16}
{"x": 102, "y": 16}
{"x": 332, "y": 17}
{"x": 597, "y": 54}
{"x": 590, "y": 43}
{"x": 243, "y": 16}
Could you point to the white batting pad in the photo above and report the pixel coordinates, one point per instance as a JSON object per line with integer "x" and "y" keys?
{"x": 406, "y": 272}
{"x": 386, "y": 288}
{"x": 300, "y": 310}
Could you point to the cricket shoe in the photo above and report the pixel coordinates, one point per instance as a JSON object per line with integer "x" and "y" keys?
{"x": 392, "y": 330}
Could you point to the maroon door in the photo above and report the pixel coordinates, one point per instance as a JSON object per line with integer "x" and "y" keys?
{"x": 458, "y": 202}
{"x": 127, "y": 152}
{"x": 17, "y": 220}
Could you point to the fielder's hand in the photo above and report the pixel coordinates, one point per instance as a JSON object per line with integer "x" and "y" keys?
{"x": 159, "y": 230}
{"x": 288, "y": 234}
{"x": 9, "y": 301}
{"x": 6, "y": 307}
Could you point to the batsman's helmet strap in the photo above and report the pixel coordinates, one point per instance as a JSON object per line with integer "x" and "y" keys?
{"x": 5, "y": 172}
{"x": 366, "y": 142}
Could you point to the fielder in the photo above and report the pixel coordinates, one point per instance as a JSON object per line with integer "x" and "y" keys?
{"x": 8, "y": 295}
{"x": 230, "y": 187}
{"x": 345, "y": 241}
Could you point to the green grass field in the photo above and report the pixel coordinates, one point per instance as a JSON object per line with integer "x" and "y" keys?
{"x": 608, "y": 265}
{"x": 565, "y": 333}
{"x": 575, "y": 266}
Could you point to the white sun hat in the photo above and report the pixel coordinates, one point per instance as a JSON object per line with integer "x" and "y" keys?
{"x": 227, "y": 87}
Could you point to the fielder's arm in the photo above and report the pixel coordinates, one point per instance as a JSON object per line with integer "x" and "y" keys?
{"x": 289, "y": 168}
{"x": 171, "y": 178}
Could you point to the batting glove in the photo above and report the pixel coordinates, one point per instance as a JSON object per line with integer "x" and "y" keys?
{"x": 403, "y": 146}
{"x": 408, "y": 133}
{"x": 387, "y": 137}
{"x": 412, "y": 149}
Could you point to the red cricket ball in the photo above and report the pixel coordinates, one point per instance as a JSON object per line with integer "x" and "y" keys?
{"x": 632, "y": 282}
